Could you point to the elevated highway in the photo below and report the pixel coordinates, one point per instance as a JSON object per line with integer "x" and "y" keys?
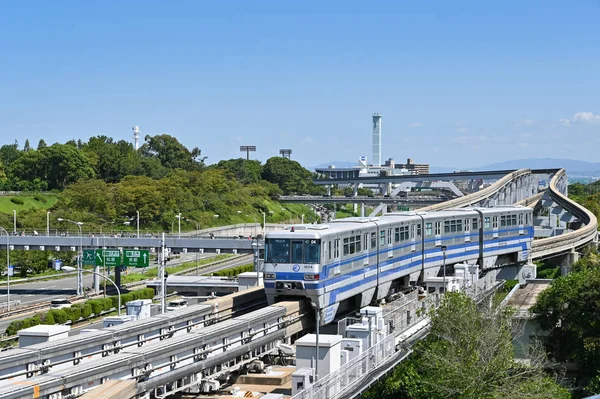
{"x": 411, "y": 201}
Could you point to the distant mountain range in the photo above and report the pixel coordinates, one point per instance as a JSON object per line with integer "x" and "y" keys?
{"x": 574, "y": 167}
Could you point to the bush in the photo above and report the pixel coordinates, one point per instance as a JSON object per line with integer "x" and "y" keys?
{"x": 25, "y": 323}
{"x": 13, "y": 327}
{"x": 17, "y": 201}
{"x": 48, "y": 318}
{"x": 39, "y": 198}
{"x": 73, "y": 313}
{"x": 97, "y": 306}
{"x": 85, "y": 309}
{"x": 107, "y": 303}
{"x": 59, "y": 316}
{"x": 35, "y": 320}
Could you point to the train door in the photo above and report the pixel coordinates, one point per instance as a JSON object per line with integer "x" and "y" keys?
{"x": 495, "y": 227}
{"x": 467, "y": 231}
{"x": 366, "y": 248}
{"x": 390, "y": 241}
{"x": 521, "y": 226}
{"x": 413, "y": 237}
{"x": 438, "y": 233}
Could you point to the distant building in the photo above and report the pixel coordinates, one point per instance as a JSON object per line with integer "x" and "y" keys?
{"x": 413, "y": 168}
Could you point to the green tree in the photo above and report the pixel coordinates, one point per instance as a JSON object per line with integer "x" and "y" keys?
{"x": 171, "y": 153}
{"x": 41, "y": 144}
{"x": 111, "y": 161}
{"x": 59, "y": 165}
{"x": 245, "y": 171}
{"x": 290, "y": 176}
{"x": 9, "y": 153}
{"x": 469, "y": 354}
{"x": 569, "y": 311}
{"x": 26, "y": 146}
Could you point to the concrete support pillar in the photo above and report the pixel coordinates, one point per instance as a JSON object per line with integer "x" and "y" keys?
{"x": 355, "y": 207}
{"x": 328, "y": 190}
{"x": 355, "y": 190}
{"x": 567, "y": 264}
{"x": 362, "y": 209}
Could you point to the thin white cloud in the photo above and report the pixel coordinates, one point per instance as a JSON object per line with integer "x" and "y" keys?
{"x": 565, "y": 122}
{"x": 414, "y": 125}
{"x": 239, "y": 138}
{"x": 308, "y": 139}
{"x": 462, "y": 129}
{"x": 527, "y": 122}
{"x": 581, "y": 117}
{"x": 526, "y": 135}
{"x": 586, "y": 117}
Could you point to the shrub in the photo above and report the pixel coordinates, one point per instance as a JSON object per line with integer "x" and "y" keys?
{"x": 49, "y": 318}
{"x": 17, "y": 201}
{"x": 25, "y": 323}
{"x": 35, "y": 320}
{"x": 73, "y": 313}
{"x": 59, "y": 316}
{"x": 13, "y": 327}
{"x": 97, "y": 306}
{"x": 39, "y": 198}
{"x": 107, "y": 303}
{"x": 84, "y": 308}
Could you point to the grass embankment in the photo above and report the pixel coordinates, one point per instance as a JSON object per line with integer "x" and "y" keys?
{"x": 149, "y": 274}
{"x": 33, "y": 201}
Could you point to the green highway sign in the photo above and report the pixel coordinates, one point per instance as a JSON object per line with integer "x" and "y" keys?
{"x": 89, "y": 257}
{"x": 136, "y": 258}
{"x": 108, "y": 257}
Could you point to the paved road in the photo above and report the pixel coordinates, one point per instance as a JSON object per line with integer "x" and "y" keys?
{"x": 41, "y": 291}
{"x": 210, "y": 269}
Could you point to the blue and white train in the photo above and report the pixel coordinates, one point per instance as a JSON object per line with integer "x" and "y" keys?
{"x": 358, "y": 260}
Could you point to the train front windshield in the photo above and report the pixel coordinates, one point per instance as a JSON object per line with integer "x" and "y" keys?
{"x": 280, "y": 250}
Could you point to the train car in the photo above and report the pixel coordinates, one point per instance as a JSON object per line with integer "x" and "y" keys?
{"x": 349, "y": 263}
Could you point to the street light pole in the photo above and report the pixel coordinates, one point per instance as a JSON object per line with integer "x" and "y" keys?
{"x": 7, "y": 269}
{"x": 14, "y": 222}
{"x": 138, "y": 223}
{"x": 179, "y": 225}
{"x": 48, "y": 224}
{"x": 264, "y": 224}
{"x": 68, "y": 269}
{"x": 80, "y": 260}
{"x": 302, "y": 218}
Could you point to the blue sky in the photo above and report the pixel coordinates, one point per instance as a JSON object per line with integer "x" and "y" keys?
{"x": 459, "y": 83}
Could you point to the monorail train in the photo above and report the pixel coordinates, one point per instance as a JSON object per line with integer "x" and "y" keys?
{"x": 358, "y": 260}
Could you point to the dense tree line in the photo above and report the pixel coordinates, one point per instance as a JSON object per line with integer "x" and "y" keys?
{"x": 57, "y": 166}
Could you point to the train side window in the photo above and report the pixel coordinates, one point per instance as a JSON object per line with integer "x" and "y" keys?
{"x": 475, "y": 224}
{"x": 487, "y": 222}
{"x": 419, "y": 230}
{"x": 438, "y": 228}
{"x": 495, "y": 222}
{"x": 513, "y": 220}
{"x": 428, "y": 229}
{"x": 346, "y": 246}
{"x": 366, "y": 242}
{"x": 329, "y": 249}
{"x": 358, "y": 249}
{"x": 526, "y": 218}
{"x": 389, "y": 236}
{"x": 337, "y": 248}
{"x": 397, "y": 234}
{"x": 382, "y": 238}
{"x": 373, "y": 240}
{"x": 503, "y": 221}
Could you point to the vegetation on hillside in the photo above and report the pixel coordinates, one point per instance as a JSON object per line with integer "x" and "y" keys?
{"x": 104, "y": 183}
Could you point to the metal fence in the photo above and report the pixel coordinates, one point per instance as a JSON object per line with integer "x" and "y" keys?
{"x": 402, "y": 314}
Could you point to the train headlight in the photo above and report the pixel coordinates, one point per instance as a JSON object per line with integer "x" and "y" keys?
{"x": 270, "y": 276}
{"x": 311, "y": 277}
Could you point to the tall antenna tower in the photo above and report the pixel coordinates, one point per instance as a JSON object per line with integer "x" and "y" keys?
{"x": 376, "y": 139}
{"x": 136, "y": 136}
